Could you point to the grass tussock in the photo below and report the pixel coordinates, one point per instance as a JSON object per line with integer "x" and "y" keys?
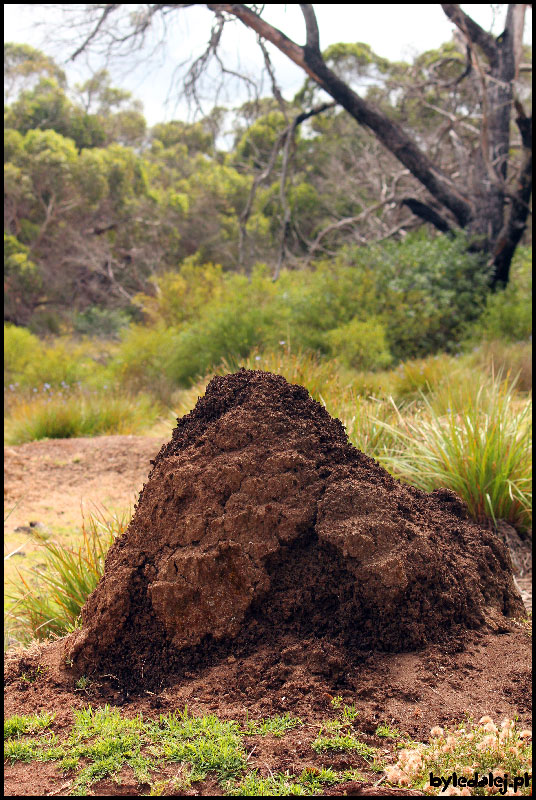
{"x": 480, "y": 447}
{"x": 69, "y": 413}
{"x": 47, "y": 601}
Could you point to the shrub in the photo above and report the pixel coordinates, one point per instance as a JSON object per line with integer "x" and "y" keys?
{"x": 139, "y": 361}
{"x": 21, "y": 350}
{"x": 100, "y": 322}
{"x": 231, "y": 333}
{"x": 31, "y": 363}
{"x": 423, "y": 376}
{"x": 507, "y": 315}
{"x": 360, "y": 344}
{"x": 428, "y": 290}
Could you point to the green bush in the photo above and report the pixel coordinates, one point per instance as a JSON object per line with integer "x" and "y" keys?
{"x": 508, "y": 312}
{"x": 139, "y": 361}
{"x": 32, "y": 363}
{"x": 21, "y": 350}
{"x": 428, "y": 290}
{"x": 311, "y": 303}
{"x": 231, "y": 333}
{"x": 101, "y": 322}
{"x": 360, "y": 344}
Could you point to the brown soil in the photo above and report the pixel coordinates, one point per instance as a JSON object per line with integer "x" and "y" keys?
{"x": 483, "y": 673}
{"x": 259, "y": 519}
{"x": 270, "y": 566}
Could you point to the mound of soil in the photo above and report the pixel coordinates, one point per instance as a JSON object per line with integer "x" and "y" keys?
{"x": 260, "y": 522}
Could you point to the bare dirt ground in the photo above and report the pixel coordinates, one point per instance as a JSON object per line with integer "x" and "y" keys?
{"x": 486, "y": 671}
{"x": 47, "y": 481}
{"x": 54, "y": 483}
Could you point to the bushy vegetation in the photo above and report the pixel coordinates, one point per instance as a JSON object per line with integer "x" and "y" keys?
{"x": 362, "y": 310}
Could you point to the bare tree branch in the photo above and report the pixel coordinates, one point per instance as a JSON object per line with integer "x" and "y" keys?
{"x": 276, "y": 91}
{"x": 344, "y": 223}
{"x": 272, "y": 34}
{"x": 107, "y": 10}
{"x": 311, "y": 27}
{"x": 472, "y": 30}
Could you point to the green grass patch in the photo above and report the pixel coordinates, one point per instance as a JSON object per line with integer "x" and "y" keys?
{"x": 102, "y": 741}
{"x": 206, "y": 743}
{"x": 275, "y": 726}
{"x": 340, "y": 742}
{"x": 310, "y": 782}
{"x": 387, "y": 732}
{"x": 17, "y": 726}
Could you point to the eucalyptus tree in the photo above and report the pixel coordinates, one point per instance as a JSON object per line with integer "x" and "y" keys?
{"x": 491, "y": 201}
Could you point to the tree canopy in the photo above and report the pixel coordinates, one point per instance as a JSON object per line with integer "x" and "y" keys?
{"x": 490, "y": 201}
{"x": 97, "y": 205}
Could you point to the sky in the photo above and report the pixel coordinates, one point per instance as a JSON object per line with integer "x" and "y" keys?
{"x": 396, "y": 32}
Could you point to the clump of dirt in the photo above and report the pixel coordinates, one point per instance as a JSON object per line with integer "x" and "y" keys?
{"x": 260, "y": 523}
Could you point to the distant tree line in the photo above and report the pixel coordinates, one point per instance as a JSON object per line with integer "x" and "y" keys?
{"x": 98, "y": 205}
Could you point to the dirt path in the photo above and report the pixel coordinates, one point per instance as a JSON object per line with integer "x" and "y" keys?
{"x": 54, "y": 482}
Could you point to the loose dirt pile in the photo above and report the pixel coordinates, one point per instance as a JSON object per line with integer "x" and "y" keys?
{"x": 260, "y": 523}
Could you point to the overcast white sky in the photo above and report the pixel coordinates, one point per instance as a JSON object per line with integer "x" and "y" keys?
{"x": 394, "y": 31}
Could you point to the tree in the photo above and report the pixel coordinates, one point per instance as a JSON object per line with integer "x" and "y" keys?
{"x": 491, "y": 203}
{"x": 24, "y": 65}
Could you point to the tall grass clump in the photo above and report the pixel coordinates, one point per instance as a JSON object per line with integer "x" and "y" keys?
{"x": 76, "y": 412}
{"x": 370, "y": 424}
{"x": 482, "y": 452}
{"x": 48, "y": 600}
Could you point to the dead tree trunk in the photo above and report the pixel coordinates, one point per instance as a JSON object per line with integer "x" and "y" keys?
{"x": 493, "y": 216}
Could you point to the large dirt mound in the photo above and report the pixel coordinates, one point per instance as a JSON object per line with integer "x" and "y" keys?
{"x": 260, "y": 521}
